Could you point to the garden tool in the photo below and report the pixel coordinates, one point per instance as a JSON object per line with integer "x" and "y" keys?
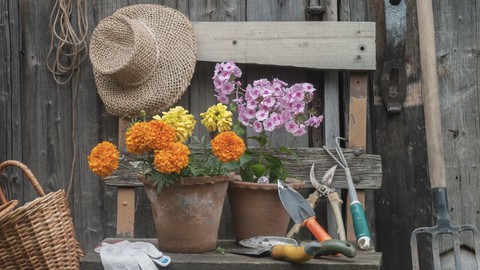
{"x": 300, "y": 210}
{"x": 436, "y": 162}
{"x": 323, "y": 189}
{"x": 283, "y": 248}
{"x": 360, "y": 226}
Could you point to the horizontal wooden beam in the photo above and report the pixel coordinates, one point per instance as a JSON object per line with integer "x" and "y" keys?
{"x": 366, "y": 169}
{"x": 317, "y": 45}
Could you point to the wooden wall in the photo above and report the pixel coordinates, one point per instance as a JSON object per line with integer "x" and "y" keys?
{"x": 52, "y": 128}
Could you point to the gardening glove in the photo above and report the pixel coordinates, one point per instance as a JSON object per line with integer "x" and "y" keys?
{"x": 125, "y": 255}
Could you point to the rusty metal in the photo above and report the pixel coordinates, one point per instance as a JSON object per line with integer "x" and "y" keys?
{"x": 394, "y": 76}
{"x": 443, "y": 227}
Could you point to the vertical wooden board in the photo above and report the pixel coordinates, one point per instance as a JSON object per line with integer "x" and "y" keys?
{"x": 93, "y": 203}
{"x": 10, "y": 102}
{"x": 201, "y": 93}
{"x": 460, "y": 109}
{"x": 276, "y": 11}
{"x": 259, "y": 10}
{"x": 404, "y": 201}
{"x": 357, "y": 132}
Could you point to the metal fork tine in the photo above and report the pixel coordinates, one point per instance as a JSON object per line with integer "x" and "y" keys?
{"x": 476, "y": 244}
{"x": 414, "y": 251}
{"x": 435, "y": 252}
{"x": 456, "y": 249}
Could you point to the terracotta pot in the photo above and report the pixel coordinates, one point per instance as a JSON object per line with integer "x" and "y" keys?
{"x": 257, "y": 210}
{"x": 187, "y": 217}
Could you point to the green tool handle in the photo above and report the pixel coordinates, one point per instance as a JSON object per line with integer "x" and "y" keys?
{"x": 360, "y": 225}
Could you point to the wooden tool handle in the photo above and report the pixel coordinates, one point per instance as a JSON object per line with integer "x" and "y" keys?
{"x": 312, "y": 201}
{"x": 336, "y": 204}
{"x": 431, "y": 104}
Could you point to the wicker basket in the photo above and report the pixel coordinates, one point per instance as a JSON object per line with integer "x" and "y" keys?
{"x": 39, "y": 234}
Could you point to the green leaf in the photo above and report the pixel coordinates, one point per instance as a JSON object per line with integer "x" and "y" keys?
{"x": 246, "y": 174}
{"x": 238, "y": 129}
{"x": 261, "y": 139}
{"x": 245, "y": 158}
{"x": 290, "y": 152}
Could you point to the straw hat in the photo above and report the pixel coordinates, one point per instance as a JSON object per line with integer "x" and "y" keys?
{"x": 143, "y": 58}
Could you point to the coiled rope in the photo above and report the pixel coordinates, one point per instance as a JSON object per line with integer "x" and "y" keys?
{"x": 67, "y": 49}
{"x": 67, "y": 52}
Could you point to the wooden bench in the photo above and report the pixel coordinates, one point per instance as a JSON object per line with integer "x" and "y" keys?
{"x": 329, "y": 46}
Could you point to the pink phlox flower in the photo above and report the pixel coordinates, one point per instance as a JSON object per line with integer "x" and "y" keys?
{"x": 238, "y": 101}
{"x": 218, "y": 68}
{"x": 237, "y": 72}
{"x": 276, "y": 118}
{"x": 229, "y": 66}
{"x": 221, "y": 97}
{"x": 257, "y": 126}
{"x": 252, "y": 92}
{"x": 252, "y": 104}
{"x": 308, "y": 87}
{"x": 261, "y": 82}
{"x": 269, "y": 124}
{"x": 262, "y": 180}
{"x": 297, "y": 106}
{"x": 249, "y": 113}
{"x": 224, "y": 75}
{"x": 301, "y": 130}
{"x": 268, "y": 102}
{"x": 314, "y": 121}
{"x": 262, "y": 113}
{"x": 227, "y": 88}
{"x": 291, "y": 126}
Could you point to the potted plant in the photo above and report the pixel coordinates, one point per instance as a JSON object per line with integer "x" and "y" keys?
{"x": 264, "y": 106}
{"x": 186, "y": 184}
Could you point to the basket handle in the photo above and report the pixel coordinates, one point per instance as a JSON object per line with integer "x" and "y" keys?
{"x": 7, "y": 207}
{"x": 26, "y": 171}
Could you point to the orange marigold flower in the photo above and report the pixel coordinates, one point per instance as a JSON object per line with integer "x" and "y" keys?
{"x": 160, "y": 134}
{"x": 136, "y": 141}
{"x": 228, "y": 146}
{"x": 103, "y": 159}
{"x": 172, "y": 158}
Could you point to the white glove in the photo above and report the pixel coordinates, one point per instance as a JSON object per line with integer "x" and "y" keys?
{"x": 126, "y": 255}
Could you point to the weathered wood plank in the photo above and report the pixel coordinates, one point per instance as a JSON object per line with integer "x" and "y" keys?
{"x": 319, "y": 45}
{"x": 212, "y": 260}
{"x": 404, "y": 201}
{"x": 366, "y": 168}
{"x": 10, "y": 97}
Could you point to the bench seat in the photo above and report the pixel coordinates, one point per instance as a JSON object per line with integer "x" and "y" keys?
{"x": 365, "y": 260}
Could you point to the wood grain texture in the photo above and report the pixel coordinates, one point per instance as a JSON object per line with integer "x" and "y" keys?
{"x": 211, "y": 260}
{"x": 366, "y": 168}
{"x": 319, "y": 45}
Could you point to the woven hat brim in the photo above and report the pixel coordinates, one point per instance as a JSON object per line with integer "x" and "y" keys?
{"x": 171, "y": 78}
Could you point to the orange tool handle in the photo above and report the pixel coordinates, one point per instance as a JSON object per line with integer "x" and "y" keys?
{"x": 317, "y": 230}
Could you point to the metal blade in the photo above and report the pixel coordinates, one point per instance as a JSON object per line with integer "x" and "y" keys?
{"x": 294, "y": 203}
{"x": 267, "y": 242}
{"x": 326, "y": 180}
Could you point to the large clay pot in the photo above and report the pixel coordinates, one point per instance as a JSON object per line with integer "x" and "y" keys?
{"x": 187, "y": 217}
{"x": 257, "y": 210}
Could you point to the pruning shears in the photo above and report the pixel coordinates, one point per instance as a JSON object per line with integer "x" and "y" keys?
{"x": 324, "y": 189}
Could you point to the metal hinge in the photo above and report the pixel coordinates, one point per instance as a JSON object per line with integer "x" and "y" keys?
{"x": 394, "y": 76}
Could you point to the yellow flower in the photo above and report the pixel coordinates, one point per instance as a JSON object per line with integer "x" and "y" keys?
{"x": 181, "y": 120}
{"x": 217, "y": 117}
{"x": 172, "y": 158}
{"x": 160, "y": 134}
{"x": 103, "y": 159}
{"x": 136, "y": 140}
{"x": 228, "y": 146}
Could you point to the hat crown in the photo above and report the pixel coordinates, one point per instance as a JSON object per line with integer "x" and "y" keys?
{"x": 124, "y": 49}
